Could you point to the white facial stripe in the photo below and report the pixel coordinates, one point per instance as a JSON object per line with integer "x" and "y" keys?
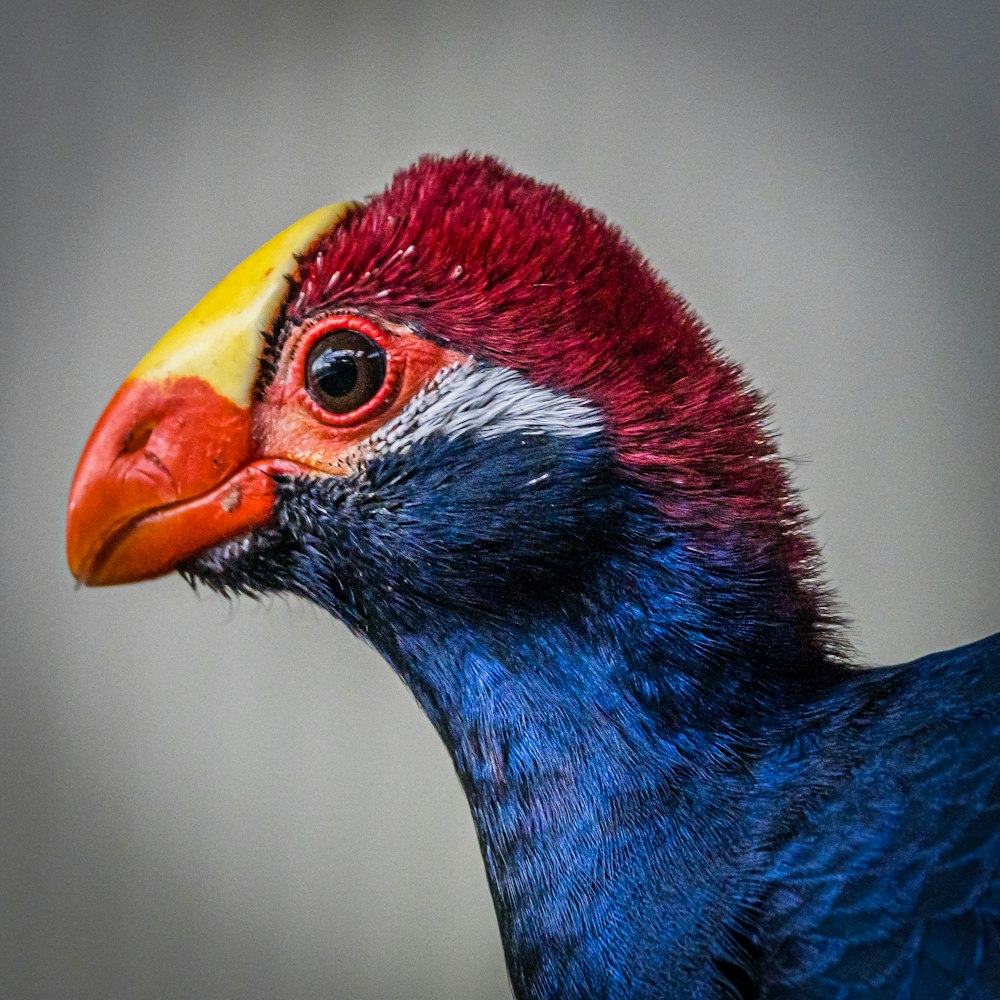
{"x": 481, "y": 399}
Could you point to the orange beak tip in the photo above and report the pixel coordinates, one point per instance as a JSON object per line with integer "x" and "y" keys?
{"x": 168, "y": 472}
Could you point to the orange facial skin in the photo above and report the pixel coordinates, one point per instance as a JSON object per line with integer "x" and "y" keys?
{"x": 174, "y": 467}
{"x": 288, "y": 422}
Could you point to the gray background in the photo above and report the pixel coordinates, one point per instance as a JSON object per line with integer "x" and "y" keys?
{"x": 239, "y": 801}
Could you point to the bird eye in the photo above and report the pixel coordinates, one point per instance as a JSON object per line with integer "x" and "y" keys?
{"x": 344, "y": 370}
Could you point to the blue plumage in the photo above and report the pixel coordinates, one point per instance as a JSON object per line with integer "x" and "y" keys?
{"x": 893, "y": 889}
{"x": 675, "y": 795}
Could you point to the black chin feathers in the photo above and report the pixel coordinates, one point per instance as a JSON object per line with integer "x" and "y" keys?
{"x": 466, "y": 527}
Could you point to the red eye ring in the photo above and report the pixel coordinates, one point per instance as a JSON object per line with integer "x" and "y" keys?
{"x": 394, "y": 368}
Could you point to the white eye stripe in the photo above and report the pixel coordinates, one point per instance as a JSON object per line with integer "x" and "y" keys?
{"x": 472, "y": 398}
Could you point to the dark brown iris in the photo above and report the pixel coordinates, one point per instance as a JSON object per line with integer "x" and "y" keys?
{"x": 344, "y": 370}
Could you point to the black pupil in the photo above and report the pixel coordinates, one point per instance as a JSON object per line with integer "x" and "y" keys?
{"x": 337, "y": 372}
{"x": 345, "y": 369}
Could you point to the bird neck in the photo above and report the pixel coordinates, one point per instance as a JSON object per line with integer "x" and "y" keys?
{"x": 620, "y": 763}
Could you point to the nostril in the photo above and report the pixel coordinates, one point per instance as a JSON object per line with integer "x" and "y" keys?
{"x": 137, "y": 438}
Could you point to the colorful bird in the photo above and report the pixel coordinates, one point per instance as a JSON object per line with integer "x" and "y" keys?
{"x": 467, "y": 418}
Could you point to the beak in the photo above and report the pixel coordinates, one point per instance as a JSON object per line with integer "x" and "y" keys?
{"x": 171, "y": 467}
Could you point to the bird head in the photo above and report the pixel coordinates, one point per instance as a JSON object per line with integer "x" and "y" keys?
{"x": 467, "y": 402}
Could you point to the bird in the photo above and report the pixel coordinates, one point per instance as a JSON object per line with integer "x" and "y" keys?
{"x": 469, "y": 419}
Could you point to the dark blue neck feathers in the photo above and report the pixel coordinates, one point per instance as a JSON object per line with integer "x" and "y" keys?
{"x": 625, "y": 758}
{"x": 632, "y": 713}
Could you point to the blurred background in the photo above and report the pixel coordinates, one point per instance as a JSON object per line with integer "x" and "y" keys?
{"x": 203, "y": 799}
